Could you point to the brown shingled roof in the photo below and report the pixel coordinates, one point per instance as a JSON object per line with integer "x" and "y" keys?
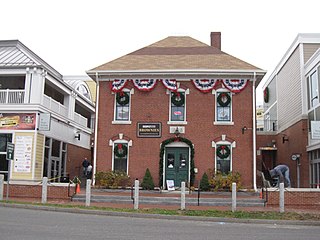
{"x": 176, "y": 53}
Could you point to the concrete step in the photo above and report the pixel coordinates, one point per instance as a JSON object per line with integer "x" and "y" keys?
{"x": 173, "y": 200}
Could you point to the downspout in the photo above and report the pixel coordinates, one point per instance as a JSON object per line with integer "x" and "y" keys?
{"x": 95, "y": 132}
{"x": 254, "y": 132}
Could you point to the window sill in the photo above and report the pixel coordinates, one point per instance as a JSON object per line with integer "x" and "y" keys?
{"x": 177, "y": 123}
{"x": 223, "y": 123}
{"x": 121, "y": 122}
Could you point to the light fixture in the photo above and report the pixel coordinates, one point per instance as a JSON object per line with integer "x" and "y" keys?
{"x": 285, "y": 138}
{"x": 77, "y": 135}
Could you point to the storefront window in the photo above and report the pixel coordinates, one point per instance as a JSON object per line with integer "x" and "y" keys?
{"x": 4, "y": 139}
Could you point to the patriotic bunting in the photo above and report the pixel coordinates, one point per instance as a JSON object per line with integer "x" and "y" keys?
{"x": 235, "y": 85}
{"x": 144, "y": 84}
{"x": 170, "y": 84}
{"x": 118, "y": 84}
{"x": 204, "y": 85}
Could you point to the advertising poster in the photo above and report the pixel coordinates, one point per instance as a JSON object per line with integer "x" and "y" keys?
{"x": 23, "y": 153}
{"x": 17, "y": 121}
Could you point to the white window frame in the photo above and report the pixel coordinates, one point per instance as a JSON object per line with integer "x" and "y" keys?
{"x": 184, "y": 122}
{"x": 115, "y": 121}
{"x": 216, "y": 122}
{"x": 313, "y": 100}
{"x": 113, "y": 156}
{"x": 231, "y": 145}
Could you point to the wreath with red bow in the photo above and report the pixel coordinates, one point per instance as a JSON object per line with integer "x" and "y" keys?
{"x": 120, "y": 150}
{"x": 266, "y": 95}
{"x": 223, "y": 151}
{"x": 224, "y": 99}
{"x": 122, "y": 98}
{"x": 177, "y": 99}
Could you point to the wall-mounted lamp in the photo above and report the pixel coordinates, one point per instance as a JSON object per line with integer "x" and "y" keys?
{"x": 244, "y": 129}
{"x": 177, "y": 132}
{"x": 77, "y": 135}
{"x": 285, "y": 138}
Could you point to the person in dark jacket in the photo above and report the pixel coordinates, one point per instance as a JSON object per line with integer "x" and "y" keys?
{"x": 281, "y": 172}
{"x": 85, "y": 165}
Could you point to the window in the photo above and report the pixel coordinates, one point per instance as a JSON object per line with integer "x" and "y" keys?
{"x": 177, "y": 106}
{"x": 4, "y": 139}
{"x": 223, "y": 106}
{"x": 122, "y": 106}
{"x": 223, "y": 158}
{"x": 120, "y": 157}
{"x": 313, "y": 90}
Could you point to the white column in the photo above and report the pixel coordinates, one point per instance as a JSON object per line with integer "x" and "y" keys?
{"x": 234, "y": 197}
{"x": 44, "y": 189}
{"x": 88, "y": 192}
{"x": 1, "y": 186}
{"x": 136, "y": 195}
{"x": 281, "y": 198}
{"x": 183, "y": 195}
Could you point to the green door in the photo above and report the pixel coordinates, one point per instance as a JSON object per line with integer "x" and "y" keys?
{"x": 177, "y": 165}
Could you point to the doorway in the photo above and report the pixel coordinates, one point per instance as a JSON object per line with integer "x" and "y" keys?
{"x": 177, "y": 165}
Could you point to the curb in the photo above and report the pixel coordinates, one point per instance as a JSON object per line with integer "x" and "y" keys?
{"x": 160, "y": 216}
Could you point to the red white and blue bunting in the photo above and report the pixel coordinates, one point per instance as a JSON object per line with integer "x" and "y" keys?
{"x": 235, "y": 85}
{"x": 204, "y": 85}
{"x": 145, "y": 84}
{"x": 170, "y": 84}
{"x": 118, "y": 84}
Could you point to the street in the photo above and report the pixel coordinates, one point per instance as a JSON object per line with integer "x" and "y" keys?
{"x": 25, "y": 224}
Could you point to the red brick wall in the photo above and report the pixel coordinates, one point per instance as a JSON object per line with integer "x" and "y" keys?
{"x": 300, "y": 198}
{"x": 153, "y": 106}
{"x": 35, "y": 191}
{"x": 75, "y": 157}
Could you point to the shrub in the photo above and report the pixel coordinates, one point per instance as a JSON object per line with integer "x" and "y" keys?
{"x": 204, "y": 183}
{"x": 219, "y": 181}
{"x": 112, "y": 179}
{"x": 147, "y": 182}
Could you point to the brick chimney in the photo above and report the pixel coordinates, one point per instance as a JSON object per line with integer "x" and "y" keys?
{"x": 216, "y": 40}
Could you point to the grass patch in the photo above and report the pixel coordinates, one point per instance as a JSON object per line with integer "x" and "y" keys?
{"x": 269, "y": 215}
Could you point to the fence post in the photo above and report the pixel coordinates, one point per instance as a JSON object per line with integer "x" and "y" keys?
{"x": 136, "y": 194}
{"x": 1, "y": 186}
{"x": 234, "y": 197}
{"x": 88, "y": 192}
{"x": 281, "y": 198}
{"x": 44, "y": 189}
{"x": 183, "y": 195}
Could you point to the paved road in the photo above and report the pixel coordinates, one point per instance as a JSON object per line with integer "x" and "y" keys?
{"x": 25, "y": 224}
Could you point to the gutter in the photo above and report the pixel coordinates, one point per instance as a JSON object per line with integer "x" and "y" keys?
{"x": 254, "y": 133}
{"x": 96, "y": 132}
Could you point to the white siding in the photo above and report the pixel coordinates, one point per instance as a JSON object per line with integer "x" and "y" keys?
{"x": 309, "y": 50}
{"x": 289, "y": 91}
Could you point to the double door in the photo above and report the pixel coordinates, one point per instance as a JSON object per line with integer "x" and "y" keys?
{"x": 177, "y": 165}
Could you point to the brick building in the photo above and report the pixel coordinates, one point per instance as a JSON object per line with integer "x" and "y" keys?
{"x": 178, "y": 107}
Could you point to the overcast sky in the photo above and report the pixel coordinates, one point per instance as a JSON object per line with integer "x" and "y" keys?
{"x": 74, "y": 36}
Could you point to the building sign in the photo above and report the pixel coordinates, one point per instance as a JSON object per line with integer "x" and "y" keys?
{"x": 149, "y": 130}
{"x": 44, "y": 121}
{"x": 23, "y": 152}
{"x": 10, "y": 151}
{"x": 315, "y": 130}
{"x": 17, "y": 121}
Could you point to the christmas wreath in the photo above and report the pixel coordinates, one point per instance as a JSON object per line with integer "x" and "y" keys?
{"x": 122, "y": 98}
{"x": 223, "y": 151}
{"x": 120, "y": 150}
{"x": 177, "y": 99}
{"x": 224, "y": 99}
{"x": 266, "y": 95}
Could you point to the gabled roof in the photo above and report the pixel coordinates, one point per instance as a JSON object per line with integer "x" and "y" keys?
{"x": 176, "y": 53}
{"x": 11, "y": 56}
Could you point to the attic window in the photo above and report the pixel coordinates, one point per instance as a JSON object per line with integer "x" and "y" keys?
{"x": 83, "y": 90}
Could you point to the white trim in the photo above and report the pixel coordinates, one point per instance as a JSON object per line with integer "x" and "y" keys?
{"x": 96, "y": 133}
{"x": 184, "y": 122}
{"x": 216, "y": 122}
{"x": 115, "y": 121}
{"x": 116, "y": 142}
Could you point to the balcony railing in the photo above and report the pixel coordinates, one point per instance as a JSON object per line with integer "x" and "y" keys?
{"x": 55, "y": 106}
{"x": 80, "y": 119}
{"x": 11, "y": 96}
{"x": 267, "y": 125}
